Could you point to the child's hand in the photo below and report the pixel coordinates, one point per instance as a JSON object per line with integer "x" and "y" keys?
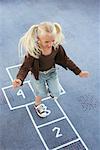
{"x": 16, "y": 83}
{"x": 84, "y": 74}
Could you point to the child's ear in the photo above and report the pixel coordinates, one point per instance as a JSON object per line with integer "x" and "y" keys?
{"x": 38, "y": 40}
{"x": 58, "y": 27}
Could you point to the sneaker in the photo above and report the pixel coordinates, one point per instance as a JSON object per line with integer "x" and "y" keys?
{"x": 42, "y": 110}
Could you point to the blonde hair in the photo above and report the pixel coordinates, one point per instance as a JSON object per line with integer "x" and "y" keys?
{"x": 28, "y": 42}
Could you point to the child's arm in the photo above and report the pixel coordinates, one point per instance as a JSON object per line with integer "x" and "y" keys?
{"x": 84, "y": 74}
{"x": 16, "y": 83}
{"x": 23, "y": 71}
{"x": 63, "y": 60}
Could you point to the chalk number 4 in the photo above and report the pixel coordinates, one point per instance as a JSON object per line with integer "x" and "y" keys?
{"x": 20, "y": 92}
{"x": 58, "y": 134}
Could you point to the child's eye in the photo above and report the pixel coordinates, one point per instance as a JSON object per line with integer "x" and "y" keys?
{"x": 49, "y": 41}
{"x": 46, "y": 41}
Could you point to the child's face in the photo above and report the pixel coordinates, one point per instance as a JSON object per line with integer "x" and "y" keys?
{"x": 46, "y": 41}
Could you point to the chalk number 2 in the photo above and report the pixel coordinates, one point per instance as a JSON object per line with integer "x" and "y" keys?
{"x": 57, "y": 130}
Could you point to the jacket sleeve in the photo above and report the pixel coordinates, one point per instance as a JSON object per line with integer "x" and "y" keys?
{"x": 63, "y": 60}
{"x": 25, "y": 68}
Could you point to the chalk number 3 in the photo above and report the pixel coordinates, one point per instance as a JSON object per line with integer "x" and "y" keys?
{"x": 57, "y": 130}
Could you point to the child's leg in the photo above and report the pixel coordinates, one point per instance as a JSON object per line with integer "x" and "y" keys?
{"x": 40, "y": 92}
{"x": 54, "y": 85}
{"x": 40, "y": 108}
{"x": 37, "y": 100}
{"x": 39, "y": 88}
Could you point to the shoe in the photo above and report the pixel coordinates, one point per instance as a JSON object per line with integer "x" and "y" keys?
{"x": 51, "y": 95}
{"x": 42, "y": 110}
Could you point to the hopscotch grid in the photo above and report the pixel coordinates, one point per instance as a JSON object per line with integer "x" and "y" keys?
{"x": 48, "y": 123}
{"x": 26, "y": 105}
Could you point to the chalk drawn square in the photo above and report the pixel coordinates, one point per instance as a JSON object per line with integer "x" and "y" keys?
{"x": 19, "y": 97}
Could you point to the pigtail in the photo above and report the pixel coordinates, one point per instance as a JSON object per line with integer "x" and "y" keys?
{"x": 27, "y": 43}
{"x": 58, "y": 28}
{"x": 59, "y": 35}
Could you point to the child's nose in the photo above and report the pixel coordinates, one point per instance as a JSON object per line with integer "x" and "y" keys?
{"x": 50, "y": 44}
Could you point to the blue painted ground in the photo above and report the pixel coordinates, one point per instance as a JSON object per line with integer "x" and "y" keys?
{"x": 81, "y": 102}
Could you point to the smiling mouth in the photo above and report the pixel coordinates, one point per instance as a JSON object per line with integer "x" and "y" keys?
{"x": 49, "y": 46}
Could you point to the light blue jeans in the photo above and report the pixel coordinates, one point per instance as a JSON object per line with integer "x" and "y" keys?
{"x": 49, "y": 78}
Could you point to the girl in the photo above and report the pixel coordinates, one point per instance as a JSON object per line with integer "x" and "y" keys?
{"x": 43, "y": 47}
